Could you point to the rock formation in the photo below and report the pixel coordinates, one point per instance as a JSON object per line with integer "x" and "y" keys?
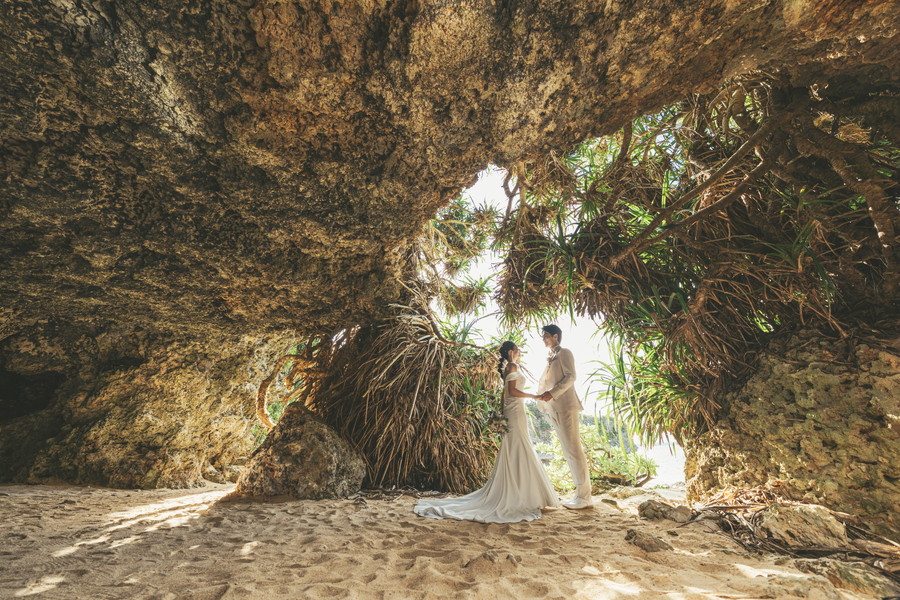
{"x": 209, "y": 174}
{"x": 816, "y": 422}
{"x": 263, "y": 165}
{"x": 128, "y": 408}
{"x": 303, "y": 458}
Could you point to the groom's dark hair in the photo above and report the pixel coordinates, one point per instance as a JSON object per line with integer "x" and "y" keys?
{"x": 553, "y": 330}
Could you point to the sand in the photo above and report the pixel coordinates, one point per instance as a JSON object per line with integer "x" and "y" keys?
{"x": 82, "y": 542}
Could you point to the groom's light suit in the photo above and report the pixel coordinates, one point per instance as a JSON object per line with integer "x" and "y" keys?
{"x": 563, "y": 409}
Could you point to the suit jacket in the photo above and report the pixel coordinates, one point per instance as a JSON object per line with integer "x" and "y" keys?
{"x": 559, "y": 380}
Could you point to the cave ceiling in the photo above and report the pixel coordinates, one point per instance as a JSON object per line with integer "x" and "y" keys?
{"x": 258, "y": 165}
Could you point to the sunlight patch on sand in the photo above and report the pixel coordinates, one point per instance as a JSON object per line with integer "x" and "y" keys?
{"x": 751, "y": 571}
{"x": 329, "y": 549}
{"x": 168, "y": 513}
{"x": 607, "y": 589}
{"x": 46, "y": 583}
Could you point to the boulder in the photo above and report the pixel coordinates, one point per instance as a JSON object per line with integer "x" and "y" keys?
{"x": 304, "y": 458}
{"x": 812, "y": 428}
{"x": 645, "y": 541}
{"x": 232, "y": 473}
{"x": 654, "y": 509}
{"x": 624, "y": 492}
{"x": 852, "y": 576}
{"x": 131, "y": 408}
{"x": 210, "y": 473}
{"x": 807, "y": 525}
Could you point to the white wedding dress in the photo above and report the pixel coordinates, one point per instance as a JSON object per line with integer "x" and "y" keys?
{"x": 518, "y": 487}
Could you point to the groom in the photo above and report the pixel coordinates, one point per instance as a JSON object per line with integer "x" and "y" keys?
{"x": 556, "y": 388}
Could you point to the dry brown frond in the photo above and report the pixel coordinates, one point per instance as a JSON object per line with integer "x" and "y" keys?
{"x": 730, "y": 217}
{"x": 413, "y": 402}
{"x": 461, "y": 298}
{"x": 738, "y": 511}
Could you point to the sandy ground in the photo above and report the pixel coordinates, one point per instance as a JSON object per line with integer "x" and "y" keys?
{"x": 76, "y": 542}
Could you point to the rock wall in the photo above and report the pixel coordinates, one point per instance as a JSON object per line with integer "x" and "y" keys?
{"x": 264, "y": 165}
{"x": 229, "y": 169}
{"x": 128, "y": 408}
{"x": 819, "y": 421}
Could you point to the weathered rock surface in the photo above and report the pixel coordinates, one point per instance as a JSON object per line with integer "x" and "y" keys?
{"x": 853, "y": 576}
{"x": 128, "y": 408}
{"x": 257, "y": 164}
{"x": 654, "y": 509}
{"x": 624, "y": 492}
{"x": 815, "y": 429}
{"x": 303, "y": 458}
{"x": 202, "y": 170}
{"x": 803, "y": 525}
{"x": 645, "y": 541}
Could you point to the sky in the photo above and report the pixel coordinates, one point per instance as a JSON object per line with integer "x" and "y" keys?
{"x": 580, "y": 335}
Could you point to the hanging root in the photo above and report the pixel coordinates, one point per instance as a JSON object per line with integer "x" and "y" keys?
{"x": 300, "y": 363}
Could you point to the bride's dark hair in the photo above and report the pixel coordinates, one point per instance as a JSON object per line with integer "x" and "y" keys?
{"x": 504, "y": 355}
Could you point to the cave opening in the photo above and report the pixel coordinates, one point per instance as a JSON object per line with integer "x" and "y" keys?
{"x": 26, "y": 393}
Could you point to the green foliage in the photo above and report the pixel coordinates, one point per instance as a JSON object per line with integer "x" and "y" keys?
{"x": 703, "y": 229}
{"x": 613, "y": 431}
{"x": 541, "y": 429}
{"x": 646, "y": 395}
{"x": 608, "y": 463}
{"x": 460, "y": 233}
{"x": 275, "y": 410}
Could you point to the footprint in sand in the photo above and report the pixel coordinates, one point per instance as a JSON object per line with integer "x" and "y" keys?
{"x": 215, "y": 521}
{"x": 491, "y": 563}
{"x": 418, "y": 553}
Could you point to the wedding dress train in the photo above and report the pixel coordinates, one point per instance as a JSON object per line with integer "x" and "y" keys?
{"x": 518, "y": 487}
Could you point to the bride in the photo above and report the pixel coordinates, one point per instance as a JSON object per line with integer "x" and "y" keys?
{"x": 518, "y": 487}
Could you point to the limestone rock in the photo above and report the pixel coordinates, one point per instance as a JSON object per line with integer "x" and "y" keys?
{"x": 129, "y": 408}
{"x": 645, "y": 541}
{"x": 624, "y": 492}
{"x": 803, "y": 586}
{"x": 654, "y": 509}
{"x": 803, "y": 525}
{"x": 210, "y": 473}
{"x": 813, "y": 429}
{"x": 246, "y": 166}
{"x": 853, "y": 576}
{"x": 304, "y": 458}
{"x": 196, "y": 174}
{"x": 232, "y": 473}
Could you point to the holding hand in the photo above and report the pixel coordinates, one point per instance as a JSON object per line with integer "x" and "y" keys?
{"x": 545, "y": 397}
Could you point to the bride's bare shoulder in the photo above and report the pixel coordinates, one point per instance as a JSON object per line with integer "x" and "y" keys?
{"x": 511, "y": 368}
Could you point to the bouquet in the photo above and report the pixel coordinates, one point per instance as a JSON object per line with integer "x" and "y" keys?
{"x": 497, "y": 423}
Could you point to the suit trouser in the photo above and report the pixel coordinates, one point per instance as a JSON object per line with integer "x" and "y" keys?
{"x": 566, "y": 425}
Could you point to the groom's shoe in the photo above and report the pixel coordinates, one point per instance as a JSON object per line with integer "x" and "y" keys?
{"x": 578, "y": 503}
